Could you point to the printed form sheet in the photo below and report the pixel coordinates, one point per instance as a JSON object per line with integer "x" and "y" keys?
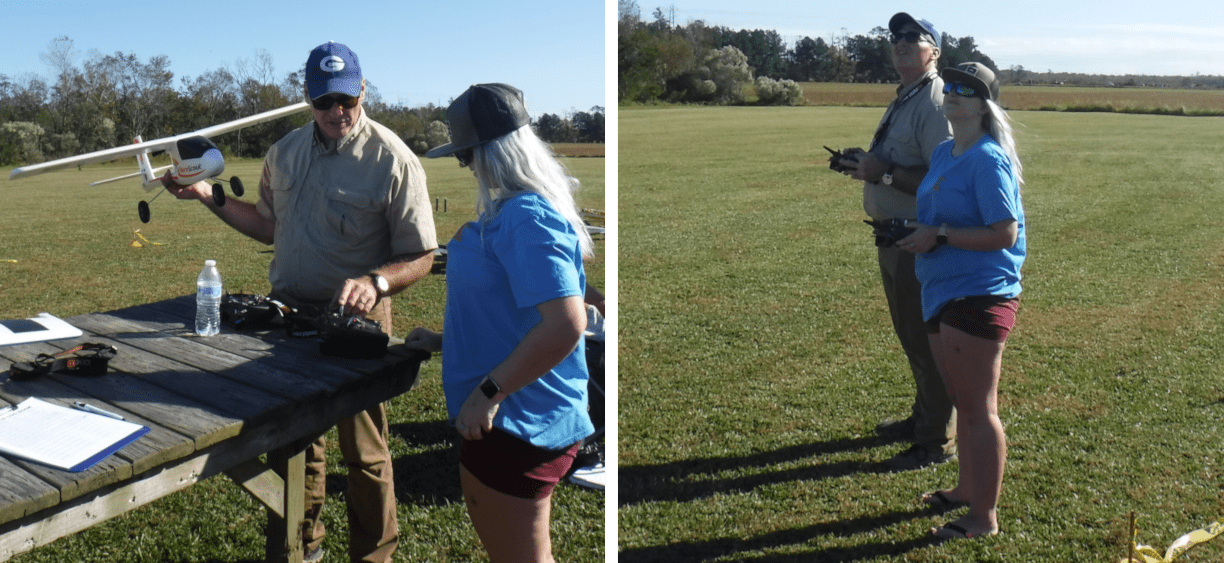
{"x": 62, "y": 437}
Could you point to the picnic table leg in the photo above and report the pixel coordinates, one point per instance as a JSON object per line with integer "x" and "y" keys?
{"x": 285, "y": 533}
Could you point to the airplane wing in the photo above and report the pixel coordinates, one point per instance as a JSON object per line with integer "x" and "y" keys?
{"x": 152, "y": 146}
{"x": 94, "y": 157}
{"x": 209, "y": 132}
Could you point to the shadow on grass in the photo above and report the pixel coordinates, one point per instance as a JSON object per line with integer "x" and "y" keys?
{"x": 230, "y": 560}
{"x": 721, "y": 548}
{"x": 668, "y": 481}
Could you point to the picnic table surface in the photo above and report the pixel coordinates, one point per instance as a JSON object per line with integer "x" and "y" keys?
{"x": 213, "y": 405}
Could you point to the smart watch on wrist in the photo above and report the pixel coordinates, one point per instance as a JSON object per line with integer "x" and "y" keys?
{"x": 489, "y": 387}
{"x": 941, "y": 238}
{"x": 380, "y": 284}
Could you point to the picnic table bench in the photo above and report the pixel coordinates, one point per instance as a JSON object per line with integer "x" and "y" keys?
{"x": 213, "y": 404}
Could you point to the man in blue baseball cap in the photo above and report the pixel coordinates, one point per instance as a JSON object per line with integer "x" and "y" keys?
{"x": 344, "y": 202}
{"x": 891, "y": 170}
{"x": 333, "y": 77}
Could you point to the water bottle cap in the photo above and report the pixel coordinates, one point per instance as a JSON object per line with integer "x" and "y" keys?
{"x": 210, "y": 262}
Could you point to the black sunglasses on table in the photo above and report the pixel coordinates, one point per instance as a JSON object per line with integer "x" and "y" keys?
{"x": 324, "y": 103}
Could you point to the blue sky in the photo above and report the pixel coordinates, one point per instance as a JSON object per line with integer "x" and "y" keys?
{"x": 1155, "y": 38}
{"x": 415, "y": 53}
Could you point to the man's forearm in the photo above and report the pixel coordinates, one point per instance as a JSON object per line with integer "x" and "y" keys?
{"x": 244, "y": 218}
{"x": 404, "y": 270}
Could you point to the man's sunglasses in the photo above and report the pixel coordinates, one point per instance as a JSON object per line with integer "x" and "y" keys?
{"x": 324, "y": 103}
{"x": 960, "y": 89}
{"x": 908, "y": 36}
{"x": 464, "y": 156}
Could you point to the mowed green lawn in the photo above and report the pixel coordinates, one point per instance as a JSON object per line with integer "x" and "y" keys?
{"x": 65, "y": 249}
{"x": 756, "y": 355}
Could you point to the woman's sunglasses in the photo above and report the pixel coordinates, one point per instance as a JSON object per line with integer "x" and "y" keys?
{"x": 960, "y": 89}
{"x": 324, "y": 103}
{"x": 464, "y": 156}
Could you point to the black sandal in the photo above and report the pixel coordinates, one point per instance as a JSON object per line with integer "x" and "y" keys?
{"x": 940, "y": 501}
{"x": 86, "y": 360}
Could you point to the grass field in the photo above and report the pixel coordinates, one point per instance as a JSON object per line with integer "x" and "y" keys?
{"x": 1165, "y": 101}
{"x": 66, "y": 250}
{"x": 756, "y": 356}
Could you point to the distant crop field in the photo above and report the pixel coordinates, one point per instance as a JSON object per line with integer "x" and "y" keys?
{"x": 1048, "y": 98}
{"x": 578, "y": 150}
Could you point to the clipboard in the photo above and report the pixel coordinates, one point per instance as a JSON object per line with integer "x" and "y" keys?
{"x": 61, "y": 437}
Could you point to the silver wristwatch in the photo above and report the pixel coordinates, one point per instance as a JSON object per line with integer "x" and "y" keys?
{"x": 380, "y": 284}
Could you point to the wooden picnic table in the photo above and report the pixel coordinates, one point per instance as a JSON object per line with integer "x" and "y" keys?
{"x": 213, "y": 404}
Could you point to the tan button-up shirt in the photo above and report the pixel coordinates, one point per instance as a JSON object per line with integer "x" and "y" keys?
{"x": 342, "y": 208}
{"x": 915, "y": 128}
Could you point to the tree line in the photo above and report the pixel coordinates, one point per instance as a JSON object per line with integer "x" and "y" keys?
{"x": 696, "y": 62}
{"x": 107, "y": 100}
{"x": 659, "y": 60}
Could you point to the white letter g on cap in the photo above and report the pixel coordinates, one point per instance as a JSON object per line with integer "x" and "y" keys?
{"x": 331, "y": 64}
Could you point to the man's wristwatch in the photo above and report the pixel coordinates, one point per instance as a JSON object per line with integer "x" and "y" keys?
{"x": 489, "y": 387}
{"x": 888, "y": 176}
{"x": 941, "y": 238}
{"x": 380, "y": 284}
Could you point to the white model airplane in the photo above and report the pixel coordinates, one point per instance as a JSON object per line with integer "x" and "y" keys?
{"x": 194, "y": 157}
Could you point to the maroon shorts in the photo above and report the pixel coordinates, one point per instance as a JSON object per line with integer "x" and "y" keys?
{"x": 512, "y": 466}
{"x": 984, "y": 316}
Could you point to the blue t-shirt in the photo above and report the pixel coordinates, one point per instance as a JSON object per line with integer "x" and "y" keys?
{"x": 496, "y": 275}
{"x": 976, "y": 189}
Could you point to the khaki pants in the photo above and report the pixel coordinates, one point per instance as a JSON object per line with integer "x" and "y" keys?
{"x": 934, "y": 415}
{"x": 373, "y": 529}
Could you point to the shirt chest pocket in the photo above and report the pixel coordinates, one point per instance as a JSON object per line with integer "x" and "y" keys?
{"x": 352, "y": 216}
{"x": 903, "y": 145}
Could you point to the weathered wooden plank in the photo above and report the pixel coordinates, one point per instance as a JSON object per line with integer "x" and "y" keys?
{"x": 207, "y": 390}
{"x": 228, "y": 354}
{"x": 184, "y": 387}
{"x": 155, "y": 448}
{"x": 285, "y": 527}
{"x": 41, "y": 528}
{"x": 69, "y": 484}
{"x": 261, "y": 482}
{"x": 21, "y": 492}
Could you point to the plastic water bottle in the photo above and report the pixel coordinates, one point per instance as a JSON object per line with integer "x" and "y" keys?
{"x": 208, "y": 300}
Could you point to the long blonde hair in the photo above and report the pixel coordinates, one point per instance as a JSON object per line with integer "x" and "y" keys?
{"x": 517, "y": 162}
{"x": 998, "y": 123}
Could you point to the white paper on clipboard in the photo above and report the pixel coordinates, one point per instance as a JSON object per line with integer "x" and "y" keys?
{"x": 36, "y": 329}
{"x": 61, "y": 437}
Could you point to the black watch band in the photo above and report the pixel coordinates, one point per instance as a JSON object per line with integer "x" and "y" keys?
{"x": 489, "y": 387}
{"x": 381, "y": 285}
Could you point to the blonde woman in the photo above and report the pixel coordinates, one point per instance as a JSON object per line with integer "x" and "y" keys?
{"x": 513, "y": 359}
{"x": 970, "y": 245}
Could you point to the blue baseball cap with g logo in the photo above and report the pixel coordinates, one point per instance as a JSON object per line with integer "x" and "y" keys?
{"x": 333, "y": 68}
{"x": 901, "y": 18}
